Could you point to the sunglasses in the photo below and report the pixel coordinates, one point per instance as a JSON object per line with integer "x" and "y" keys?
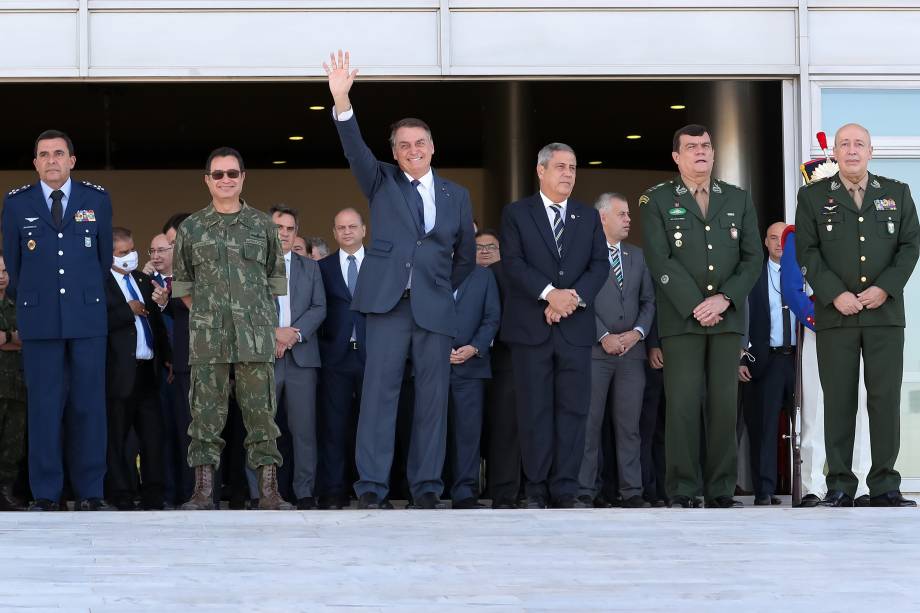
{"x": 217, "y": 175}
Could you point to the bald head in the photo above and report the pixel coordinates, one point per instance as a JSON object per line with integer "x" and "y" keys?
{"x": 853, "y": 150}
{"x": 774, "y": 241}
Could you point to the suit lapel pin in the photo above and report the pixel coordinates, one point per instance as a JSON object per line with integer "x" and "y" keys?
{"x": 573, "y": 215}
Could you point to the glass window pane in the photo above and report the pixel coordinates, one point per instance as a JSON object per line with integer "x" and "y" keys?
{"x": 884, "y": 112}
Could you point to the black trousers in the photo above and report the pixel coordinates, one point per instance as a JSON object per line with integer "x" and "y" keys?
{"x": 140, "y": 411}
{"x": 336, "y": 423}
{"x": 764, "y": 400}
{"x": 651, "y": 425}
{"x": 503, "y": 459}
{"x": 552, "y": 384}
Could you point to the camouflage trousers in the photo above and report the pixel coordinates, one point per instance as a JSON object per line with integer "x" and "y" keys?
{"x": 12, "y": 438}
{"x": 208, "y": 398}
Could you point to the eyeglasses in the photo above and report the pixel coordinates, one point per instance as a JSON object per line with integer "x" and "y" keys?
{"x": 160, "y": 251}
{"x": 487, "y": 248}
{"x": 217, "y": 175}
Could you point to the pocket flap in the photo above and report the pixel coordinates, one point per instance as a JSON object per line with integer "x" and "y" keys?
{"x": 206, "y": 320}
{"x": 204, "y": 252}
{"x": 380, "y": 245}
{"x": 258, "y": 318}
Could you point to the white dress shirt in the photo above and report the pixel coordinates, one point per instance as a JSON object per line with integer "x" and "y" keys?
{"x": 776, "y": 307}
{"x": 142, "y": 351}
{"x": 551, "y": 215}
{"x": 284, "y": 302}
{"x": 47, "y": 189}
{"x": 343, "y": 261}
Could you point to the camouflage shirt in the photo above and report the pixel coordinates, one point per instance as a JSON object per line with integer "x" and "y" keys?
{"x": 232, "y": 266}
{"x": 12, "y": 385}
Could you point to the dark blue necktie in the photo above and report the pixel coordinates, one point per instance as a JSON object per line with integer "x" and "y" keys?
{"x": 148, "y": 333}
{"x": 352, "y": 274}
{"x": 419, "y": 203}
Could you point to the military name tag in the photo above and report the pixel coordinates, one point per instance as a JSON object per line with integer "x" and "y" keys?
{"x": 31, "y": 245}
{"x": 88, "y": 241}
{"x": 733, "y": 232}
{"x": 676, "y": 211}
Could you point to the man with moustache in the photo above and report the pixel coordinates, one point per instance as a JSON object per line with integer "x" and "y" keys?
{"x": 57, "y": 244}
{"x": 228, "y": 267}
{"x": 555, "y": 261}
{"x": 703, "y": 250}
{"x": 858, "y": 240}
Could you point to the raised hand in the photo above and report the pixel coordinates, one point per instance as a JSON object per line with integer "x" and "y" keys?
{"x": 340, "y": 79}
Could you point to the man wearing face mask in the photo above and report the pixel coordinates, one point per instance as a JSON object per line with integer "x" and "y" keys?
{"x": 57, "y": 245}
{"x": 138, "y": 350}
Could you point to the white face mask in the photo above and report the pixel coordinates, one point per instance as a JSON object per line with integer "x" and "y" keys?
{"x": 127, "y": 262}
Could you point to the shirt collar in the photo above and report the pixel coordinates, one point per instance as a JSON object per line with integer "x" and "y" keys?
{"x": 47, "y": 189}
{"x": 861, "y": 184}
{"x": 773, "y": 265}
{"x": 287, "y": 257}
{"x": 547, "y": 201}
{"x": 359, "y": 255}
{"x": 427, "y": 180}
{"x": 610, "y": 246}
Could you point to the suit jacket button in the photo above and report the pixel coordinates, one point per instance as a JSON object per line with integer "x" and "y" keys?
{"x": 63, "y": 291}
{"x": 561, "y": 272}
{"x": 419, "y": 243}
{"x": 408, "y": 264}
{"x": 60, "y": 235}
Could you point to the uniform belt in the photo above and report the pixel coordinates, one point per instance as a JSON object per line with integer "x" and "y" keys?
{"x": 353, "y": 345}
{"x": 783, "y": 350}
{"x": 405, "y": 293}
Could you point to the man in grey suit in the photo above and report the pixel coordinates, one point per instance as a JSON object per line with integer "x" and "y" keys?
{"x": 422, "y": 249}
{"x": 297, "y": 362}
{"x": 624, "y": 310}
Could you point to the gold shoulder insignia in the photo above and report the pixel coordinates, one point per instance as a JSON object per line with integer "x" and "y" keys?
{"x": 643, "y": 199}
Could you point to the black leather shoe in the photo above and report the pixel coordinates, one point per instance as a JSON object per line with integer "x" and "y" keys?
{"x": 892, "y": 499}
{"x": 571, "y": 502}
{"x": 590, "y": 501}
{"x": 308, "y": 503}
{"x": 122, "y": 504}
{"x": 862, "y": 501}
{"x": 636, "y": 502}
{"x": 466, "y": 504}
{"x": 535, "y": 502}
{"x": 766, "y": 501}
{"x": 836, "y": 498}
{"x": 809, "y": 501}
{"x": 724, "y": 502}
{"x": 386, "y": 505}
{"x": 9, "y": 501}
{"x": 682, "y": 502}
{"x": 740, "y": 491}
{"x": 369, "y": 501}
{"x": 92, "y": 504}
{"x": 504, "y": 504}
{"x": 43, "y": 504}
{"x": 428, "y": 501}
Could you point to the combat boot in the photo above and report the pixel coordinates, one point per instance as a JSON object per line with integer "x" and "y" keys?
{"x": 9, "y": 501}
{"x": 269, "y": 498}
{"x": 203, "y": 497}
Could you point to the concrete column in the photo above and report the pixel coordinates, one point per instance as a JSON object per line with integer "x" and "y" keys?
{"x": 509, "y": 158}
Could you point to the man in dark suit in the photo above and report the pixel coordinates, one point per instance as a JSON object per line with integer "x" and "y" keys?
{"x": 422, "y": 250}
{"x": 297, "y": 361}
{"x": 478, "y": 315}
{"x": 651, "y": 424}
{"x": 555, "y": 260}
{"x": 624, "y": 310}
{"x": 503, "y": 456}
{"x": 138, "y": 351}
{"x": 770, "y": 376}
{"x": 57, "y": 242}
{"x": 341, "y": 347}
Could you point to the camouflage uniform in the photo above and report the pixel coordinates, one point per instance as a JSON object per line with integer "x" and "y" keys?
{"x": 232, "y": 266}
{"x": 12, "y": 401}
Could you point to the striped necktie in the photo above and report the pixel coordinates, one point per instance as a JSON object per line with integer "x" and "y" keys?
{"x": 558, "y": 227}
{"x": 617, "y": 265}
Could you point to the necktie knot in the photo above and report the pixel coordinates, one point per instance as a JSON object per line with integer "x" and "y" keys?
{"x": 57, "y": 195}
{"x": 416, "y": 183}
{"x": 350, "y": 258}
{"x": 57, "y": 207}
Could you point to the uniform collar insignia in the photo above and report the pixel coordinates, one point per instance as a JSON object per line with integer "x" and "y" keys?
{"x": 680, "y": 190}
{"x": 715, "y": 188}
{"x": 834, "y": 186}
{"x": 875, "y": 184}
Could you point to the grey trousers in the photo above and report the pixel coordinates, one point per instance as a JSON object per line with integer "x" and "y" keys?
{"x": 295, "y": 390}
{"x": 624, "y": 378}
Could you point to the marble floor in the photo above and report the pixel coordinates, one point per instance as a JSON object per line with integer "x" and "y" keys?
{"x": 752, "y": 559}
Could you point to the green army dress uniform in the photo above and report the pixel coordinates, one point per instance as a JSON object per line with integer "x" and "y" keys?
{"x": 844, "y": 247}
{"x": 692, "y": 257}
{"x": 12, "y": 400}
{"x": 232, "y": 265}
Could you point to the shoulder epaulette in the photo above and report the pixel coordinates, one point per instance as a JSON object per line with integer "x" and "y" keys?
{"x": 816, "y": 182}
{"x": 19, "y": 189}
{"x": 888, "y": 179}
{"x": 725, "y": 183}
{"x": 93, "y": 185}
{"x": 654, "y": 187}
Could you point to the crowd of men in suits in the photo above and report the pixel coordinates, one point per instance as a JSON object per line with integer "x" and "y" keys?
{"x": 586, "y": 371}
